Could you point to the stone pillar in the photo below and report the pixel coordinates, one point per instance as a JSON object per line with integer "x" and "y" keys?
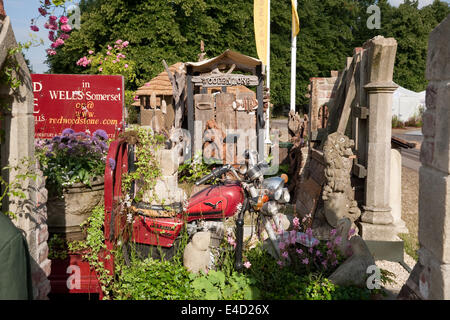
{"x": 377, "y": 220}
{"x": 430, "y": 278}
{"x": 17, "y": 147}
{"x": 395, "y": 196}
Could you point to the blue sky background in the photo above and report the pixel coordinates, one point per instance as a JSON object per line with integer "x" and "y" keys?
{"x": 22, "y": 11}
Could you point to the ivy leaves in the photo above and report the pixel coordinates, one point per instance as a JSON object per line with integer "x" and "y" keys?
{"x": 215, "y": 286}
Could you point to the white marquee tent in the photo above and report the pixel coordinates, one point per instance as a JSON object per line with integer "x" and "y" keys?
{"x": 406, "y": 103}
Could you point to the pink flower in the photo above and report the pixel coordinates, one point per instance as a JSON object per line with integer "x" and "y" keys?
{"x": 42, "y": 11}
{"x": 34, "y": 28}
{"x": 333, "y": 232}
{"x": 296, "y": 222}
{"x": 231, "y": 241}
{"x": 305, "y": 261}
{"x": 329, "y": 252}
{"x": 90, "y": 52}
{"x": 280, "y": 263}
{"x": 114, "y": 61}
{"x": 64, "y": 36}
{"x": 100, "y": 69}
{"x": 125, "y": 66}
{"x": 285, "y": 254}
{"x": 83, "y": 62}
{"x": 247, "y": 264}
{"x": 136, "y": 98}
{"x": 299, "y": 251}
{"x": 51, "y": 36}
{"x": 282, "y": 245}
{"x": 309, "y": 232}
{"x": 63, "y": 20}
{"x": 66, "y": 28}
{"x": 53, "y": 26}
{"x": 108, "y": 53}
{"x": 329, "y": 245}
{"x": 338, "y": 240}
{"x": 125, "y": 44}
{"x": 51, "y": 52}
{"x": 318, "y": 253}
{"x": 109, "y": 47}
{"x": 310, "y": 250}
{"x": 46, "y": 25}
{"x": 119, "y": 41}
{"x": 52, "y": 18}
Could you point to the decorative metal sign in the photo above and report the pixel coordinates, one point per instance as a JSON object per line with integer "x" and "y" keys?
{"x": 225, "y": 80}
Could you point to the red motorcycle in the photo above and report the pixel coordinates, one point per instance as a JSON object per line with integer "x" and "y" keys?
{"x": 208, "y": 209}
{"x": 205, "y": 211}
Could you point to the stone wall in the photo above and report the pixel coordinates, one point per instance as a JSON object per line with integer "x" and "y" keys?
{"x": 430, "y": 278}
{"x": 17, "y": 146}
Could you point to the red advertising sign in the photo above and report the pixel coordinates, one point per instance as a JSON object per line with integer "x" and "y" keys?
{"x": 80, "y": 102}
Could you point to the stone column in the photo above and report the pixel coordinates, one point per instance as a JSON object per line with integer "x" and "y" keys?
{"x": 395, "y": 199}
{"x": 377, "y": 220}
{"x": 430, "y": 278}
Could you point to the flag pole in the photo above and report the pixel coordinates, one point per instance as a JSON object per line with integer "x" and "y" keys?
{"x": 267, "y": 140}
{"x": 293, "y": 63}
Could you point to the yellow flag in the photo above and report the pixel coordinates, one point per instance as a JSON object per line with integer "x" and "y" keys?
{"x": 261, "y": 20}
{"x": 295, "y": 20}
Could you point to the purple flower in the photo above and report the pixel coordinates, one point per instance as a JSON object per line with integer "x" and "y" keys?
{"x": 285, "y": 254}
{"x": 68, "y": 131}
{"x": 101, "y": 134}
{"x": 112, "y": 163}
{"x": 299, "y": 251}
{"x": 338, "y": 240}
{"x": 333, "y": 232}
{"x": 305, "y": 261}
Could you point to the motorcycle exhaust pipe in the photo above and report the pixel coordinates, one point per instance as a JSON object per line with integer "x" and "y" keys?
{"x": 240, "y": 237}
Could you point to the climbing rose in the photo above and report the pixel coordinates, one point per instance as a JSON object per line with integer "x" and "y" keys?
{"x": 51, "y": 52}
{"x": 51, "y": 36}
{"x": 53, "y": 18}
{"x": 66, "y": 28}
{"x": 34, "y": 28}
{"x": 64, "y": 36}
{"x": 42, "y": 11}
{"x": 90, "y": 51}
{"x": 63, "y": 20}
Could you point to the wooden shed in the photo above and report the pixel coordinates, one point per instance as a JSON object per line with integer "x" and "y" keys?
{"x": 156, "y": 101}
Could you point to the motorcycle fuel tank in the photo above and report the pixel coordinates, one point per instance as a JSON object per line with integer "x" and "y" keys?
{"x": 215, "y": 202}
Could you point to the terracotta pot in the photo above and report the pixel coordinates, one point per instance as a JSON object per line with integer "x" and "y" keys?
{"x": 67, "y": 213}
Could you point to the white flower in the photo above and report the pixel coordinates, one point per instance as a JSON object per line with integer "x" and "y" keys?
{"x": 129, "y": 217}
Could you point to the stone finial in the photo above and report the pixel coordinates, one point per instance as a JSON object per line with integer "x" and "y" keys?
{"x": 382, "y": 53}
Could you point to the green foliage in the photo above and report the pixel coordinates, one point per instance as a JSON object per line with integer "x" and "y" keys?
{"x": 216, "y": 286}
{"x": 276, "y": 283}
{"x": 71, "y": 158}
{"x": 191, "y": 171}
{"x": 16, "y": 189}
{"x": 146, "y": 165}
{"x": 151, "y": 279}
{"x": 329, "y": 30}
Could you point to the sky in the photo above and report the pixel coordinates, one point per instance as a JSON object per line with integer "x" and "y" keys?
{"x": 22, "y": 11}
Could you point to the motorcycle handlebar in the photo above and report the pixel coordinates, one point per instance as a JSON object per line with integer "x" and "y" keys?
{"x": 214, "y": 174}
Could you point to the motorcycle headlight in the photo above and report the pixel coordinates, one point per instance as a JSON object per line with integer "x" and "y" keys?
{"x": 278, "y": 194}
{"x": 286, "y": 195}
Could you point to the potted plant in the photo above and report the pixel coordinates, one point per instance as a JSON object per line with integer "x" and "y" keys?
{"x": 74, "y": 165}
